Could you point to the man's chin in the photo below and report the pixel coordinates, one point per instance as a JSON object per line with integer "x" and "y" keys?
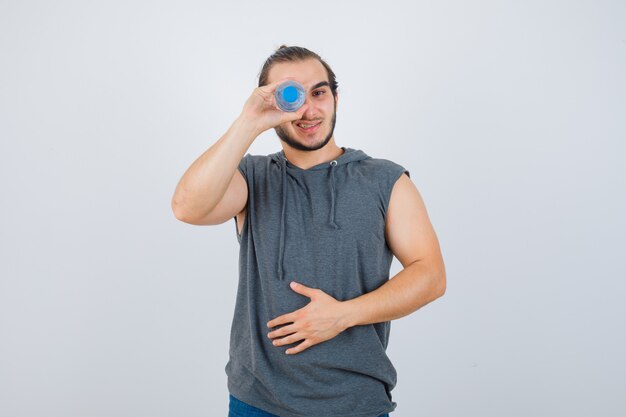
{"x": 303, "y": 146}
{"x": 306, "y": 143}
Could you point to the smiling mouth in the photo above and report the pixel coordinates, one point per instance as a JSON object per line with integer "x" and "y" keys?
{"x": 308, "y": 127}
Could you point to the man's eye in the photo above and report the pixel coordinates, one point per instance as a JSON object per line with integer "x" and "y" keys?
{"x": 321, "y": 91}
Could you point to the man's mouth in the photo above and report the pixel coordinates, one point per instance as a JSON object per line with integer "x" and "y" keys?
{"x": 308, "y": 127}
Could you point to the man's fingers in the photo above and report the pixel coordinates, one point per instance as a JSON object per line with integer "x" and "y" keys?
{"x": 285, "y": 318}
{"x": 304, "y": 345}
{"x": 291, "y": 116}
{"x": 287, "y": 340}
{"x": 269, "y": 88}
{"x": 285, "y": 330}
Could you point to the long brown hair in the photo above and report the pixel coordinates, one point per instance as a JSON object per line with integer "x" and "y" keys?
{"x": 292, "y": 54}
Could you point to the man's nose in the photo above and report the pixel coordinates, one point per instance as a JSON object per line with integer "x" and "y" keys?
{"x": 310, "y": 112}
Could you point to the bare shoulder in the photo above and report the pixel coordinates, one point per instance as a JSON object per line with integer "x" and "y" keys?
{"x": 408, "y": 230}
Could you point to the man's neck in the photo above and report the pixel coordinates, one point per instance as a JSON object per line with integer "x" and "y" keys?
{"x": 306, "y": 160}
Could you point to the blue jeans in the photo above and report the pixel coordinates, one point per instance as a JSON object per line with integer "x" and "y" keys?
{"x": 237, "y": 408}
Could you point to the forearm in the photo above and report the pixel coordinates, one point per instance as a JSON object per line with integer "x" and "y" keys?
{"x": 205, "y": 182}
{"x": 415, "y": 286}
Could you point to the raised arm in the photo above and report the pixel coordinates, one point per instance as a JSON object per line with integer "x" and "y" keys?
{"x": 212, "y": 190}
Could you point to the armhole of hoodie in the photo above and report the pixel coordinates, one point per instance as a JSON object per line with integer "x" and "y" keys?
{"x": 243, "y": 169}
{"x": 393, "y": 176}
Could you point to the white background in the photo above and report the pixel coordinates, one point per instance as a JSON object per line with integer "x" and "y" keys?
{"x": 510, "y": 117}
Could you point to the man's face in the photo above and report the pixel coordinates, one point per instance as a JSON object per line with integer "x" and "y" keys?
{"x": 322, "y": 105}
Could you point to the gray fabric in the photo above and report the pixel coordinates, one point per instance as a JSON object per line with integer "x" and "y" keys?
{"x": 325, "y": 228}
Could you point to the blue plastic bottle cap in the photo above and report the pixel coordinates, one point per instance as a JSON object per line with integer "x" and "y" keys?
{"x": 290, "y": 94}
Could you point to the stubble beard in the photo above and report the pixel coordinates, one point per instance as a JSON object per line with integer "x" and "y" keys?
{"x": 291, "y": 141}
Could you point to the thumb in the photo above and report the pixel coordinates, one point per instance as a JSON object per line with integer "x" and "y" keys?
{"x": 297, "y": 114}
{"x": 303, "y": 289}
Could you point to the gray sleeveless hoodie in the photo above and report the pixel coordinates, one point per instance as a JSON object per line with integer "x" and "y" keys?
{"x": 325, "y": 228}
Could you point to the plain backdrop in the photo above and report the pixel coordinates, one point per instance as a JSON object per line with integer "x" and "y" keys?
{"x": 510, "y": 116}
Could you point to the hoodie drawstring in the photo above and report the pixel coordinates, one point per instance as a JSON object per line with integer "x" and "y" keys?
{"x": 333, "y": 163}
{"x": 281, "y": 248}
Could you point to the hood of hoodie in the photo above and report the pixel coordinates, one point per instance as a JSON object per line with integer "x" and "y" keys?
{"x": 349, "y": 155}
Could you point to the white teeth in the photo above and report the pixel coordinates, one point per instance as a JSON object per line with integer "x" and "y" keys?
{"x": 306, "y": 126}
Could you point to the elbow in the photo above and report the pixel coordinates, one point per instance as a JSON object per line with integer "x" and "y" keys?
{"x": 442, "y": 290}
{"x": 440, "y": 280}
{"x": 441, "y": 285}
{"x": 179, "y": 215}
{"x": 179, "y": 212}
{"x": 183, "y": 216}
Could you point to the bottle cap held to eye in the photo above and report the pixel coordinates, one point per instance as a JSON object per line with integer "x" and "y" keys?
{"x": 290, "y": 96}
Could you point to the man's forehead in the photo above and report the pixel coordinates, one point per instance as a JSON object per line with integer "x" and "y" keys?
{"x": 305, "y": 72}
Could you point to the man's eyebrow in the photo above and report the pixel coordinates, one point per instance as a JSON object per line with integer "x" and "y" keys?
{"x": 320, "y": 84}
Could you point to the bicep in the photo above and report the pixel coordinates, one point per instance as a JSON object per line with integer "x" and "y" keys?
{"x": 408, "y": 230}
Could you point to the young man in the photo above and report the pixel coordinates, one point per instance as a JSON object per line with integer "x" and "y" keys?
{"x": 318, "y": 226}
